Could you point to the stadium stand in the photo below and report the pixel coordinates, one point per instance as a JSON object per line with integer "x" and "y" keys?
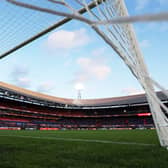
{"x": 23, "y": 109}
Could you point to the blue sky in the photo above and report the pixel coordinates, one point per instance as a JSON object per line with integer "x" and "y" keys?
{"x": 74, "y": 54}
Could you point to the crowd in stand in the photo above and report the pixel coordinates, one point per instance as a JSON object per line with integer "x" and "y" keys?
{"x": 118, "y": 122}
{"x": 17, "y": 114}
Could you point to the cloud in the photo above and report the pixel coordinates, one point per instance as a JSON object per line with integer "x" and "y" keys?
{"x": 64, "y": 39}
{"x": 19, "y": 70}
{"x": 145, "y": 43}
{"x": 19, "y": 76}
{"x": 23, "y": 82}
{"x": 47, "y": 86}
{"x": 131, "y": 91}
{"x": 92, "y": 68}
{"x": 141, "y": 4}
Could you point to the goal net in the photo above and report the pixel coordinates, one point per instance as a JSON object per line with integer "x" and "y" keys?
{"x": 110, "y": 19}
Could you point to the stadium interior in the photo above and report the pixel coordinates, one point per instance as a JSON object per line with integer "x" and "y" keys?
{"x": 38, "y": 130}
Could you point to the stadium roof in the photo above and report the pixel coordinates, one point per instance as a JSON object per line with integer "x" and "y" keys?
{"x": 25, "y": 94}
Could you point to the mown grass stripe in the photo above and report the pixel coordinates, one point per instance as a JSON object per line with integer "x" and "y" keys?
{"x": 82, "y": 140}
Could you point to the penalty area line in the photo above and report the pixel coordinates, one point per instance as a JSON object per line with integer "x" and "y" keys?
{"x": 80, "y": 140}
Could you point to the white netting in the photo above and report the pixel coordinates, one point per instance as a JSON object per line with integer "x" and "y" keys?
{"x": 110, "y": 20}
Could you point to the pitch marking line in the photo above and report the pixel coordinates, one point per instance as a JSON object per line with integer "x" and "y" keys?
{"x": 81, "y": 140}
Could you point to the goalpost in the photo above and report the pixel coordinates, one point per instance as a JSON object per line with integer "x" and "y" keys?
{"x": 110, "y": 19}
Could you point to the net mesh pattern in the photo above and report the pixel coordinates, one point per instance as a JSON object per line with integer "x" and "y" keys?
{"x": 19, "y": 24}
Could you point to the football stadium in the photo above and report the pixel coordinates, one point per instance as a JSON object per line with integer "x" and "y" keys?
{"x": 43, "y": 130}
{"x": 89, "y": 133}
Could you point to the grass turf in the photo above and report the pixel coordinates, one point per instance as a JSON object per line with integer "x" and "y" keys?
{"x": 81, "y": 149}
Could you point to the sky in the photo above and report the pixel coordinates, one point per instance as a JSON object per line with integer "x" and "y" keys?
{"x": 74, "y": 54}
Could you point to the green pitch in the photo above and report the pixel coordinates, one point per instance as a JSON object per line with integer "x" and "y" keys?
{"x": 81, "y": 149}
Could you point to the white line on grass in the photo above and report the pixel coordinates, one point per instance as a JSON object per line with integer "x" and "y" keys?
{"x": 81, "y": 140}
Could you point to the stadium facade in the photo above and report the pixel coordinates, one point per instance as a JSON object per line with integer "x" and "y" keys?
{"x": 24, "y": 109}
